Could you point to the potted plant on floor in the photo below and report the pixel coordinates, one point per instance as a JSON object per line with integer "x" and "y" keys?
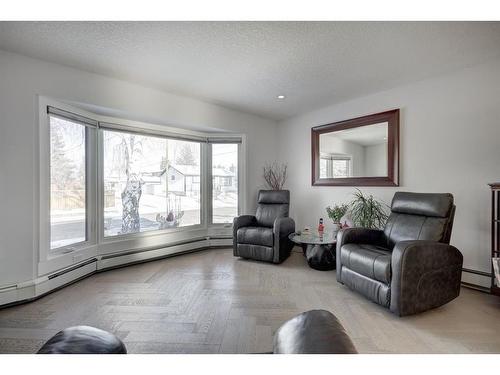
{"x": 367, "y": 211}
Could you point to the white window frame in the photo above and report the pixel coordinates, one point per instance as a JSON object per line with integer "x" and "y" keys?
{"x": 332, "y": 157}
{"x": 85, "y": 249}
{"x": 241, "y": 178}
{"x": 97, "y": 244}
{"x": 344, "y": 157}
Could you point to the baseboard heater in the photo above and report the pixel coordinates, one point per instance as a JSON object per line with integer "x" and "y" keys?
{"x": 32, "y": 290}
{"x": 476, "y": 286}
{"x": 476, "y": 272}
{"x": 72, "y": 268}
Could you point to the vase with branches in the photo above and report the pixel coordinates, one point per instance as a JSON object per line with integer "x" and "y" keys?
{"x": 368, "y": 212}
{"x": 275, "y": 175}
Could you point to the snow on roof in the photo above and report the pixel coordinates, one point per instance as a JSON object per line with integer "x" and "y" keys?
{"x": 194, "y": 170}
{"x": 187, "y": 170}
{"x": 222, "y": 172}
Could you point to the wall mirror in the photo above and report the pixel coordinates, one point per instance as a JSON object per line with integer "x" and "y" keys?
{"x": 363, "y": 151}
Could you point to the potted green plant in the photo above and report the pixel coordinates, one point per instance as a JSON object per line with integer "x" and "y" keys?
{"x": 367, "y": 212}
{"x": 336, "y": 213}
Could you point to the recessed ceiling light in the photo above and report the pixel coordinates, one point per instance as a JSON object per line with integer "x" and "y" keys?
{"x": 281, "y": 97}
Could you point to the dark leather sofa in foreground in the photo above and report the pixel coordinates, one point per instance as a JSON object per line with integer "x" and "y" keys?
{"x": 83, "y": 340}
{"x": 312, "y": 332}
{"x": 265, "y": 235}
{"x": 409, "y": 266}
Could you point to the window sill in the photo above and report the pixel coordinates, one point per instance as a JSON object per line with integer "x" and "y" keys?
{"x": 152, "y": 233}
{"x": 59, "y": 260}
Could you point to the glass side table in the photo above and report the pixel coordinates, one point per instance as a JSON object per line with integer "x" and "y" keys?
{"x": 319, "y": 250}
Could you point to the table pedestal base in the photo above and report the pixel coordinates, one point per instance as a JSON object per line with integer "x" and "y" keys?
{"x": 321, "y": 257}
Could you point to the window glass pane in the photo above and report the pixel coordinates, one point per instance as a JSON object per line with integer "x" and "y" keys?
{"x": 325, "y": 168}
{"x": 224, "y": 182}
{"x": 184, "y": 186}
{"x": 150, "y": 183}
{"x": 340, "y": 168}
{"x": 334, "y": 167}
{"x": 67, "y": 183}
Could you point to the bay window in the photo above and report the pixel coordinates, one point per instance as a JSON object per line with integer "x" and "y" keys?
{"x": 150, "y": 183}
{"x": 103, "y": 182}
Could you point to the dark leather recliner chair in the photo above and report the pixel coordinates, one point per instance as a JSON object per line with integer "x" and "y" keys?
{"x": 265, "y": 235}
{"x": 409, "y": 266}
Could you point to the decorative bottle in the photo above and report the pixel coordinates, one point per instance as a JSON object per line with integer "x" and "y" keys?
{"x": 321, "y": 227}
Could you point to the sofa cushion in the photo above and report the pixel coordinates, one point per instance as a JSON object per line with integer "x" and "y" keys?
{"x": 83, "y": 340}
{"x": 424, "y": 204}
{"x": 368, "y": 260}
{"x": 266, "y": 214}
{"x": 378, "y": 292}
{"x": 255, "y": 235}
{"x": 403, "y": 227}
{"x": 256, "y": 252}
{"x": 274, "y": 197}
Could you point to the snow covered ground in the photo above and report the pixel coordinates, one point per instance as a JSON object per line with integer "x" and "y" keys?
{"x": 68, "y": 226}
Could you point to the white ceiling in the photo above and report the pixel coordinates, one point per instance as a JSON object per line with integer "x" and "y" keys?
{"x": 245, "y": 65}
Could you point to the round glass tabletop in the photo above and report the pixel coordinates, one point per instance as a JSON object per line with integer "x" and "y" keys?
{"x": 314, "y": 238}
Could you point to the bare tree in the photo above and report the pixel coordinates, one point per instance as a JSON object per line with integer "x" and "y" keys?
{"x": 63, "y": 168}
{"x": 185, "y": 156}
{"x": 131, "y": 194}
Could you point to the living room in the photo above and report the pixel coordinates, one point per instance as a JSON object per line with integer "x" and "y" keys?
{"x": 250, "y": 186}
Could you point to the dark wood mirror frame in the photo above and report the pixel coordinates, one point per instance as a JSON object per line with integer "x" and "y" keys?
{"x": 392, "y": 178}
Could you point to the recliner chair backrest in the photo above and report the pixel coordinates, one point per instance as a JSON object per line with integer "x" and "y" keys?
{"x": 420, "y": 216}
{"x": 272, "y": 204}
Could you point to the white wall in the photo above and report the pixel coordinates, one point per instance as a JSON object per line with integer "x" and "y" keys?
{"x": 376, "y": 160}
{"x": 22, "y": 79}
{"x": 450, "y": 142}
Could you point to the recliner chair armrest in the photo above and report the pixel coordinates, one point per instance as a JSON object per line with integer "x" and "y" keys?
{"x": 283, "y": 227}
{"x": 360, "y": 235}
{"x": 239, "y": 222}
{"x": 244, "y": 221}
{"x": 425, "y": 274}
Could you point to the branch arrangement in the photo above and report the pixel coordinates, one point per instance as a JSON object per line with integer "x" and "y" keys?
{"x": 275, "y": 175}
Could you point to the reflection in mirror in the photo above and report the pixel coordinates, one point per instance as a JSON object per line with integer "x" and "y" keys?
{"x": 356, "y": 152}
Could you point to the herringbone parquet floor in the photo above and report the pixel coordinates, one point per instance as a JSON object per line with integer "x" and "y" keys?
{"x": 211, "y": 302}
